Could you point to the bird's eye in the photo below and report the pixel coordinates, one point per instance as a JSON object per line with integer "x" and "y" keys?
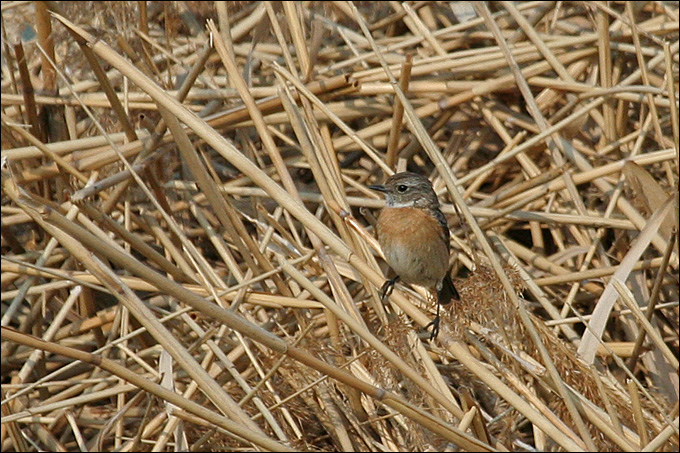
{"x": 401, "y": 188}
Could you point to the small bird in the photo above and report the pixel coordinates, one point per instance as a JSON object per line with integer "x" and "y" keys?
{"x": 414, "y": 236}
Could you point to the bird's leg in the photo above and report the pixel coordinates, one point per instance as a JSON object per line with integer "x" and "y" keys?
{"x": 387, "y": 288}
{"x": 435, "y": 324}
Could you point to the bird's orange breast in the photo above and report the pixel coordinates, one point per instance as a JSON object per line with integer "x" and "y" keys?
{"x": 413, "y": 245}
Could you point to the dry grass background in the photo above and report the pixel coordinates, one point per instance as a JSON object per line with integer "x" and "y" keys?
{"x": 188, "y": 260}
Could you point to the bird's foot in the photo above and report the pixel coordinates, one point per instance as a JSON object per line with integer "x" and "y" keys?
{"x": 387, "y": 288}
{"x": 435, "y": 327}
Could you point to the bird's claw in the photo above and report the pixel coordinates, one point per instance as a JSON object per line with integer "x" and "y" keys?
{"x": 435, "y": 327}
{"x": 387, "y": 288}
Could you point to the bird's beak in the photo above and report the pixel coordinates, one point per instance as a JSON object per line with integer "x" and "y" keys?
{"x": 378, "y": 187}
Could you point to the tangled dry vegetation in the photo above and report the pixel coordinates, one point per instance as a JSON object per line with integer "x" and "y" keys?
{"x": 188, "y": 259}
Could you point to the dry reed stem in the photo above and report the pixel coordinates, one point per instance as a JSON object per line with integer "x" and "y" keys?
{"x": 213, "y": 208}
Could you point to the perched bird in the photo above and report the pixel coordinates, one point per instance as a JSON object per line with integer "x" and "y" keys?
{"x": 414, "y": 237}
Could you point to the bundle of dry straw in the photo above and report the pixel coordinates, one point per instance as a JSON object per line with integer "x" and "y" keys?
{"x": 188, "y": 256}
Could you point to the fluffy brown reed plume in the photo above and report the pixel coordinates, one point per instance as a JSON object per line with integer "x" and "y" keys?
{"x": 485, "y": 308}
{"x": 188, "y": 261}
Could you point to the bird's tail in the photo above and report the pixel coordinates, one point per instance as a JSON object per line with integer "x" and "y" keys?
{"x": 448, "y": 291}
